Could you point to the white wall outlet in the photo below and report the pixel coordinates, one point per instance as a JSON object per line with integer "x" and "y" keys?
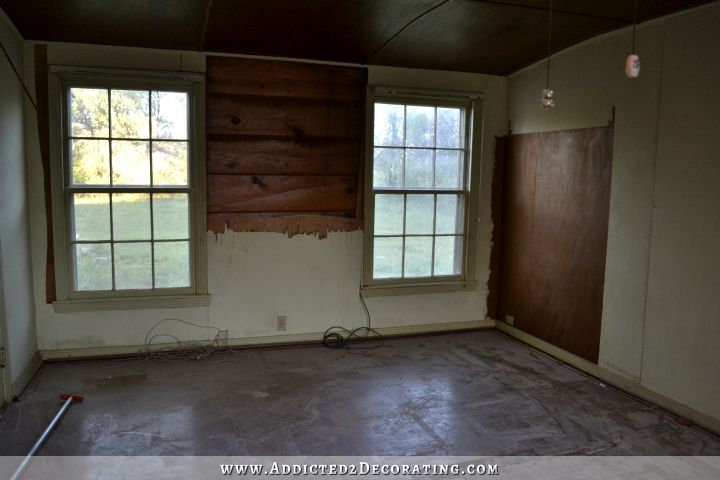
{"x": 282, "y": 323}
{"x": 222, "y": 335}
{"x": 509, "y": 319}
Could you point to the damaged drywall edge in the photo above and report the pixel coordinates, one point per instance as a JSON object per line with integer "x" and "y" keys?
{"x": 317, "y": 226}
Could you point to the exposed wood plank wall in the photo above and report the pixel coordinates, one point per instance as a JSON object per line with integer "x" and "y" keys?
{"x": 284, "y": 146}
{"x": 554, "y": 236}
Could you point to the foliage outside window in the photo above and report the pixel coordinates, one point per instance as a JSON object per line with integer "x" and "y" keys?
{"x": 419, "y": 192}
{"x": 128, "y": 189}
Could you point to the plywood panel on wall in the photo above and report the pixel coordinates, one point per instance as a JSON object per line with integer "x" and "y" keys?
{"x": 284, "y": 146}
{"x": 556, "y": 193}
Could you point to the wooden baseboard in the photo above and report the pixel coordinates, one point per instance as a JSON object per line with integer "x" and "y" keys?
{"x": 625, "y": 384}
{"x": 266, "y": 341}
{"x": 27, "y": 374}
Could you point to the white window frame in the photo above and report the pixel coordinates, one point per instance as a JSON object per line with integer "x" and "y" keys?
{"x": 61, "y": 79}
{"x": 472, "y": 104}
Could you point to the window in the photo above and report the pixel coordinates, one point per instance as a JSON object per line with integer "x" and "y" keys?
{"x": 418, "y": 192}
{"x": 128, "y": 188}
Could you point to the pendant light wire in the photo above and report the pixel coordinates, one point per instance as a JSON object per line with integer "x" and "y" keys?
{"x": 550, "y": 12}
{"x": 635, "y": 25}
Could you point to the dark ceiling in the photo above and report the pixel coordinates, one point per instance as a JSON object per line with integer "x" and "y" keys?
{"x": 483, "y": 36}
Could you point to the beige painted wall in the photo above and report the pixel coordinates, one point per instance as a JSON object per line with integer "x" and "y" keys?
{"x": 682, "y": 325}
{"x": 14, "y": 238}
{"x": 661, "y": 313}
{"x": 253, "y": 277}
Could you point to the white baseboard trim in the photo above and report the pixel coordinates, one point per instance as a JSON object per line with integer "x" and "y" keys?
{"x": 316, "y": 337}
{"x": 614, "y": 379}
{"x": 27, "y": 374}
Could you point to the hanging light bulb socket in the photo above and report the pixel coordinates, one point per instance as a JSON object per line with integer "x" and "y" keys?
{"x": 548, "y": 101}
{"x": 632, "y": 66}
{"x": 547, "y": 98}
{"x": 632, "y": 62}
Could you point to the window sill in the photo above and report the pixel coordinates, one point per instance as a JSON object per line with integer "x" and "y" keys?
{"x": 130, "y": 303}
{"x": 417, "y": 289}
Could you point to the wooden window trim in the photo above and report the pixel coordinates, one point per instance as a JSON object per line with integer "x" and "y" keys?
{"x": 59, "y": 80}
{"x": 440, "y": 284}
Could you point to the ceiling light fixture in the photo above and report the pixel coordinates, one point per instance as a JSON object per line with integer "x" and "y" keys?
{"x": 547, "y": 94}
{"x": 632, "y": 62}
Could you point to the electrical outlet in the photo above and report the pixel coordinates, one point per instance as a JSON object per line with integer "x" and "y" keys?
{"x": 509, "y": 319}
{"x": 222, "y": 336}
{"x": 282, "y": 323}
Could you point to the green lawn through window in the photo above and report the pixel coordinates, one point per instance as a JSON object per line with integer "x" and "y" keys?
{"x": 131, "y": 222}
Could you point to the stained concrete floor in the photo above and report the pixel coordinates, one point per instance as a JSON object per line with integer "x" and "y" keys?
{"x": 479, "y": 393}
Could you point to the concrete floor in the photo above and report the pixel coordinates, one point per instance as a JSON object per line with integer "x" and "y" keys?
{"x": 478, "y": 393}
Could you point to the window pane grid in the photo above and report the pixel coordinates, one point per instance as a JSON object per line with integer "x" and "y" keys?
{"x": 411, "y": 147}
{"x": 112, "y": 170}
{"x": 434, "y": 165}
{"x": 112, "y": 147}
{"x": 112, "y": 220}
{"x": 92, "y": 242}
{"x": 404, "y": 238}
{"x": 450, "y": 262}
{"x": 435, "y": 256}
{"x": 152, "y": 210}
{"x": 98, "y": 189}
{"x": 434, "y": 229}
{"x": 376, "y": 236}
{"x": 112, "y": 244}
{"x": 377, "y": 145}
{"x": 428, "y": 248}
{"x": 419, "y": 191}
{"x": 134, "y": 248}
{"x": 138, "y": 139}
{"x": 111, "y": 137}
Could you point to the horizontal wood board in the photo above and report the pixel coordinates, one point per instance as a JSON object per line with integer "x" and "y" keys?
{"x": 284, "y": 146}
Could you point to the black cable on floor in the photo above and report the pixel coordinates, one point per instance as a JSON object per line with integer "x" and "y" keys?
{"x": 340, "y": 337}
{"x": 361, "y": 338}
